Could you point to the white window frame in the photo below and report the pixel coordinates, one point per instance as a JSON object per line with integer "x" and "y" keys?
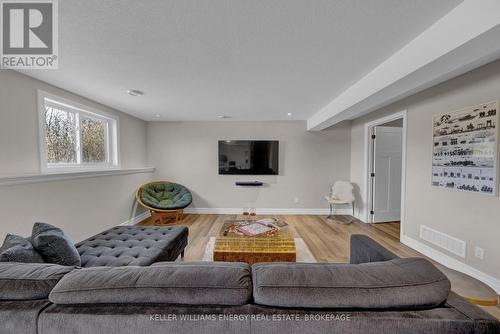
{"x": 112, "y": 139}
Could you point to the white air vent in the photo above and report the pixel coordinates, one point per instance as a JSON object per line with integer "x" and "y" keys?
{"x": 451, "y": 244}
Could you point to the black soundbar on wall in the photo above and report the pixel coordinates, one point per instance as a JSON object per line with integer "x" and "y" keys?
{"x": 249, "y": 183}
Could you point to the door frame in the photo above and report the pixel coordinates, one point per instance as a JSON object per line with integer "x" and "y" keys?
{"x": 367, "y": 196}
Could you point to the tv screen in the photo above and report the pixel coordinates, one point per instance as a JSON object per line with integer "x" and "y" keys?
{"x": 248, "y": 157}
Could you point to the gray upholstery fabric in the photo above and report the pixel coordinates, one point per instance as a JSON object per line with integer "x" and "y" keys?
{"x": 199, "y": 298}
{"x": 144, "y": 319}
{"x": 54, "y": 245}
{"x": 457, "y": 318}
{"x": 23, "y": 281}
{"x": 364, "y": 250}
{"x": 133, "y": 246}
{"x": 444, "y": 319}
{"x": 18, "y": 317}
{"x": 399, "y": 283}
{"x": 193, "y": 283}
{"x": 19, "y": 249}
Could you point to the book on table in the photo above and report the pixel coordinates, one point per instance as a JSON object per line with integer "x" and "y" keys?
{"x": 254, "y": 229}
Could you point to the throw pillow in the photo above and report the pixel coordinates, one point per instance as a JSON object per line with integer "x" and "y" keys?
{"x": 54, "y": 245}
{"x": 19, "y": 249}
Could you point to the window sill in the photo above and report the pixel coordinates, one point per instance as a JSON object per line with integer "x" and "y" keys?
{"x": 36, "y": 178}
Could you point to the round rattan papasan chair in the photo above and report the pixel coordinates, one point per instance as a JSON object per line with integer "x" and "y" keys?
{"x": 166, "y": 200}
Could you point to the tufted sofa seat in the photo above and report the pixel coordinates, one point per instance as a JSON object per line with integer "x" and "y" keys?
{"x": 133, "y": 246}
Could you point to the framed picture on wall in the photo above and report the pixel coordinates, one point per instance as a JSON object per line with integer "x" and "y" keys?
{"x": 464, "y": 155}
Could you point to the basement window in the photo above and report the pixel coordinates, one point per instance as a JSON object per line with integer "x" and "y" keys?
{"x": 74, "y": 137}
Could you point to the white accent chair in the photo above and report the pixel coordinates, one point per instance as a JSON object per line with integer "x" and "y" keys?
{"x": 342, "y": 193}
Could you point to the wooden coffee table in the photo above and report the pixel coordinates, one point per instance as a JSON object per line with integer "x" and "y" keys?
{"x": 231, "y": 246}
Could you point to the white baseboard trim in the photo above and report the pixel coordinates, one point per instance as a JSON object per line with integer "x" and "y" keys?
{"x": 452, "y": 263}
{"x": 234, "y": 211}
{"x": 359, "y": 217}
{"x": 137, "y": 219}
{"x": 268, "y": 211}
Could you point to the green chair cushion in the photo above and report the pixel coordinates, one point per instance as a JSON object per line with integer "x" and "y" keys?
{"x": 165, "y": 195}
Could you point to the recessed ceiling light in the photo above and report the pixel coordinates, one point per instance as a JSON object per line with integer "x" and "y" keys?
{"x": 157, "y": 115}
{"x": 223, "y": 116}
{"x": 289, "y": 114}
{"x": 135, "y": 92}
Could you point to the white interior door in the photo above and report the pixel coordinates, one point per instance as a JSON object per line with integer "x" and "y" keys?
{"x": 386, "y": 174}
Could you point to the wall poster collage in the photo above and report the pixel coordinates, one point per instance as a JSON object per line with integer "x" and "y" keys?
{"x": 465, "y": 149}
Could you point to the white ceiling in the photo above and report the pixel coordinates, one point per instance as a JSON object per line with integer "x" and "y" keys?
{"x": 251, "y": 60}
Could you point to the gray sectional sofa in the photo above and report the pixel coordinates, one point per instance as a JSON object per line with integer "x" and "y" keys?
{"x": 376, "y": 293}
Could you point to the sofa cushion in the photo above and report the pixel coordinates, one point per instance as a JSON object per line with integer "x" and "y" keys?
{"x": 398, "y": 283}
{"x": 191, "y": 283}
{"x": 19, "y": 249}
{"x": 54, "y": 245}
{"x": 26, "y": 281}
{"x": 21, "y": 316}
{"x": 165, "y": 195}
{"x": 133, "y": 246}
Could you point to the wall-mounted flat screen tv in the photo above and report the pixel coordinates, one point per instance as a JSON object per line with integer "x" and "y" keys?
{"x": 248, "y": 157}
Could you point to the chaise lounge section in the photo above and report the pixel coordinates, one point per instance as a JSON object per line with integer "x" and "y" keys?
{"x": 133, "y": 246}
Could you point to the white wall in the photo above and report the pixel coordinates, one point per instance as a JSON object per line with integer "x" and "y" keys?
{"x": 81, "y": 207}
{"x": 467, "y": 216}
{"x": 186, "y": 152}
